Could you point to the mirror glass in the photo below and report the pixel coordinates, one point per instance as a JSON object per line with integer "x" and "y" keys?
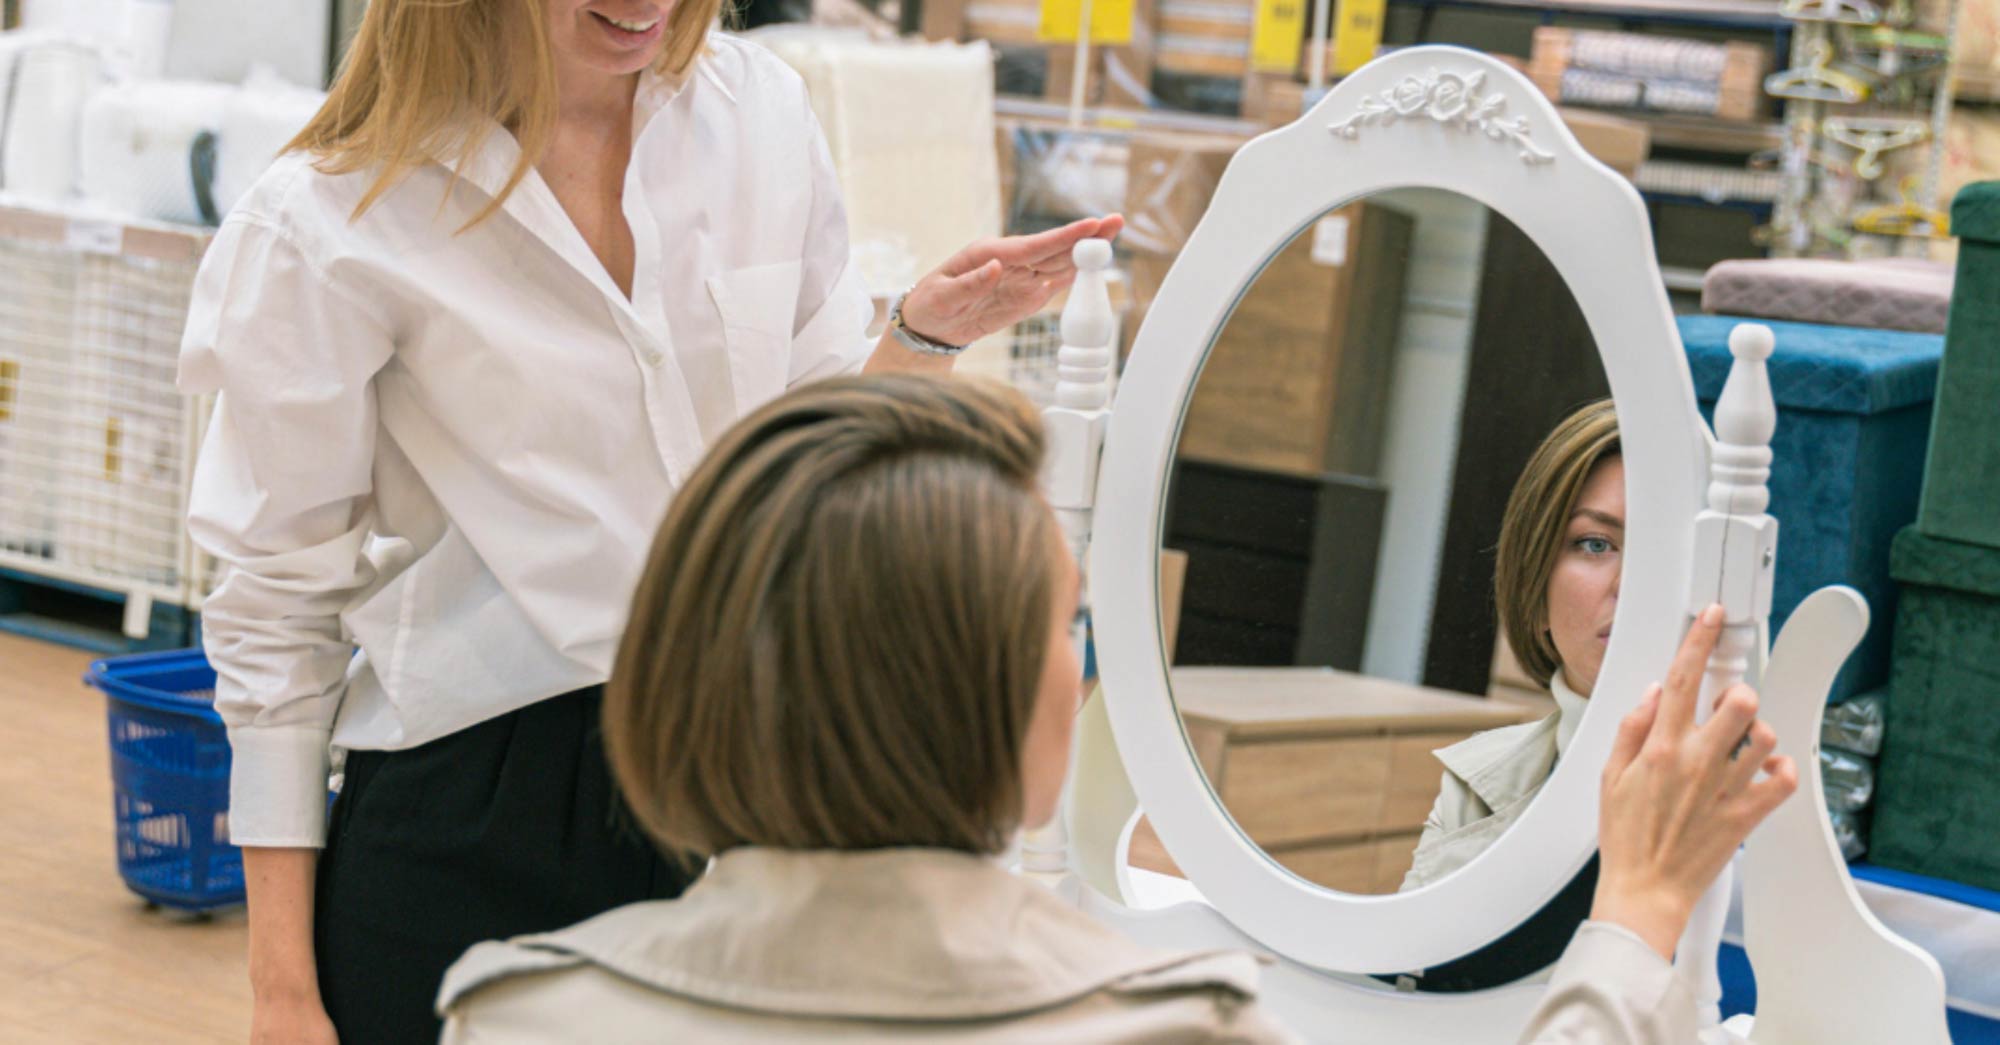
{"x": 1334, "y": 596}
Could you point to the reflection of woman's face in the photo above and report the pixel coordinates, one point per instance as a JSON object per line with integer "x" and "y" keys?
{"x": 1583, "y": 590}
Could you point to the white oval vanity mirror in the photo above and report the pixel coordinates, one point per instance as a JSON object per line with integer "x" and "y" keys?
{"x": 1435, "y": 239}
{"x": 1406, "y": 393}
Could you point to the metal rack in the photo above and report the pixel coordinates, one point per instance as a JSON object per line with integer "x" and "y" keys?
{"x": 96, "y": 443}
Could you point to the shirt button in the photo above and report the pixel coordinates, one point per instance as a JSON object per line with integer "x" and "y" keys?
{"x": 654, "y": 358}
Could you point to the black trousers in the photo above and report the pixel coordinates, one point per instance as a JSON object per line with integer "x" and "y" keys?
{"x": 511, "y": 826}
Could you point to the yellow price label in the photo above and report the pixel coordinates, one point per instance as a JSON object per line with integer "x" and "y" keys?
{"x": 1275, "y": 35}
{"x": 1110, "y": 22}
{"x": 1357, "y": 33}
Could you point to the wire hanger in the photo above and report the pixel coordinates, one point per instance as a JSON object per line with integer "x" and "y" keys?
{"x": 1907, "y": 217}
{"x": 1818, "y": 81}
{"x": 1846, "y": 12}
{"x": 1871, "y": 136}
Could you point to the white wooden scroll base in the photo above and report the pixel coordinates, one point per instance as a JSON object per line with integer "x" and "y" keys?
{"x": 1828, "y": 970}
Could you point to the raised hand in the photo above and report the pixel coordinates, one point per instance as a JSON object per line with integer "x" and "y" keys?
{"x": 995, "y": 283}
{"x": 1678, "y": 799}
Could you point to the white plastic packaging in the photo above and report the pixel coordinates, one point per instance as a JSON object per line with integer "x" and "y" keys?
{"x": 51, "y": 82}
{"x": 257, "y": 121}
{"x": 137, "y": 146}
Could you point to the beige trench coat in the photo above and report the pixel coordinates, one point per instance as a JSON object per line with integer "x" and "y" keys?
{"x": 927, "y": 945}
{"x": 1489, "y": 780}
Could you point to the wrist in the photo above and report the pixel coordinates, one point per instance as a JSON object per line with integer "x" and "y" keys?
{"x": 284, "y": 990}
{"x": 914, "y": 331}
{"x": 1656, "y": 916}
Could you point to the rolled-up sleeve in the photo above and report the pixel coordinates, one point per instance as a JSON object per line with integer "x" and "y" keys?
{"x": 1612, "y": 989}
{"x": 281, "y": 498}
{"x": 830, "y": 331}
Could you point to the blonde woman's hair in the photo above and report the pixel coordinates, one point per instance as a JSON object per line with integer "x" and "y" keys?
{"x": 424, "y": 77}
{"x": 841, "y": 630}
{"x": 1532, "y": 531}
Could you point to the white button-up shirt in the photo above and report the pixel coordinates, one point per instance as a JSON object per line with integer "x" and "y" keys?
{"x": 450, "y": 449}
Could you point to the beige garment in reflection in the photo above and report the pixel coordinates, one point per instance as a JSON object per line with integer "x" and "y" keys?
{"x": 935, "y": 946}
{"x": 1489, "y": 780}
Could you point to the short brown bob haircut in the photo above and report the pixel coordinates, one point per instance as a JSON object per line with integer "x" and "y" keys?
{"x": 840, "y": 634}
{"x": 1532, "y": 531}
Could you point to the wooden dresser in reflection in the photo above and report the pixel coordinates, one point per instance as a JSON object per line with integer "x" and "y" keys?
{"x": 1330, "y": 772}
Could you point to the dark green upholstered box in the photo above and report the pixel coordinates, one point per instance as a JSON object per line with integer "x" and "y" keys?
{"x": 1854, "y": 410}
{"x": 1961, "y": 499}
{"x": 1937, "y": 790}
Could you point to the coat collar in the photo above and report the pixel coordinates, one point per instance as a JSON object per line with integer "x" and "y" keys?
{"x": 875, "y": 934}
{"x": 1504, "y": 765}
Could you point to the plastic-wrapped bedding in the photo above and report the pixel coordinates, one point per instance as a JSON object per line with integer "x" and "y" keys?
{"x": 49, "y": 84}
{"x": 257, "y": 121}
{"x": 138, "y": 145}
{"x": 1847, "y": 778}
{"x": 1850, "y": 830}
{"x": 1856, "y": 725}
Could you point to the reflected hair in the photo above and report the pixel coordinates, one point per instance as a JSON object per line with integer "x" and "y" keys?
{"x": 841, "y": 629}
{"x": 1532, "y": 529}
{"x": 426, "y": 78}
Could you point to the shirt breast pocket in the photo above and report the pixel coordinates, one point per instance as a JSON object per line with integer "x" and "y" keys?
{"x": 757, "y": 305}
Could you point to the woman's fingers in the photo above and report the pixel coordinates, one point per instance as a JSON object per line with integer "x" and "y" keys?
{"x": 1756, "y": 751}
{"x": 1632, "y": 732}
{"x": 965, "y": 289}
{"x": 1683, "y": 682}
{"x": 1760, "y": 797}
{"x": 1735, "y": 711}
{"x": 1044, "y": 253}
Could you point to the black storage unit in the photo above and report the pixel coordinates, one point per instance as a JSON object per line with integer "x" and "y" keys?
{"x": 1281, "y": 567}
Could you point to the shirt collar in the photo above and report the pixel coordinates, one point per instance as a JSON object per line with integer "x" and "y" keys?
{"x": 488, "y": 167}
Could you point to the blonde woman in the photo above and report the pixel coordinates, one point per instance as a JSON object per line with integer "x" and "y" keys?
{"x": 885, "y": 696}
{"x": 469, "y": 335}
{"x": 1556, "y": 586}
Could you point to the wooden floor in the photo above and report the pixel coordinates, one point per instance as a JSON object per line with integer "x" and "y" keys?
{"x": 81, "y": 959}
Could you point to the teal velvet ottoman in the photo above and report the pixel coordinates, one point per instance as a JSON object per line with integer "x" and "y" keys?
{"x": 1961, "y": 499}
{"x": 1854, "y": 413}
{"x": 1937, "y": 790}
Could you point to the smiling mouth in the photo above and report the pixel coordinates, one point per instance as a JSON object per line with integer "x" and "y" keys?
{"x": 630, "y": 27}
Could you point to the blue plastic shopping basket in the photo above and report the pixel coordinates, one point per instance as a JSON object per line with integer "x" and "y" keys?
{"x": 170, "y": 780}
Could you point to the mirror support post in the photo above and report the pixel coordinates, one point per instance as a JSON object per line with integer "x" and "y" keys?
{"x": 1075, "y": 424}
{"x": 1735, "y": 552}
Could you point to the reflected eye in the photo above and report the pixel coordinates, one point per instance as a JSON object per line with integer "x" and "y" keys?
{"x": 1595, "y": 546}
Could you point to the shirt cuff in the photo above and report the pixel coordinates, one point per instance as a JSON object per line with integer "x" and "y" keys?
{"x": 277, "y": 786}
{"x": 1609, "y": 953}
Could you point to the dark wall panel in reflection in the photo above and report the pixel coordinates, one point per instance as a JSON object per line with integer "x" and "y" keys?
{"x": 1533, "y": 362}
{"x": 1281, "y": 567}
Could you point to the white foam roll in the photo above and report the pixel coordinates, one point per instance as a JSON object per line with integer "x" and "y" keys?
{"x": 12, "y": 46}
{"x": 257, "y": 121}
{"x": 52, "y": 81}
{"x": 135, "y": 141}
{"x": 149, "y": 25}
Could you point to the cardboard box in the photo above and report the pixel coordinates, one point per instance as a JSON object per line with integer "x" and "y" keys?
{"x": 1298, "y": 379}
{"x": 1331, "y": 773}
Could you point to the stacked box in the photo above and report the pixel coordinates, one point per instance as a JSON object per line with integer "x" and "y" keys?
{"x": 1961, "y": 498}
{"x": 1937, "y": 803}
{"x": 1854, "y": 412}
{"x": 1938, "y": 793}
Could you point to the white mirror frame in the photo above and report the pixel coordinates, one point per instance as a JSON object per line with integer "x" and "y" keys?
{"x": 1426, "y": 117}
